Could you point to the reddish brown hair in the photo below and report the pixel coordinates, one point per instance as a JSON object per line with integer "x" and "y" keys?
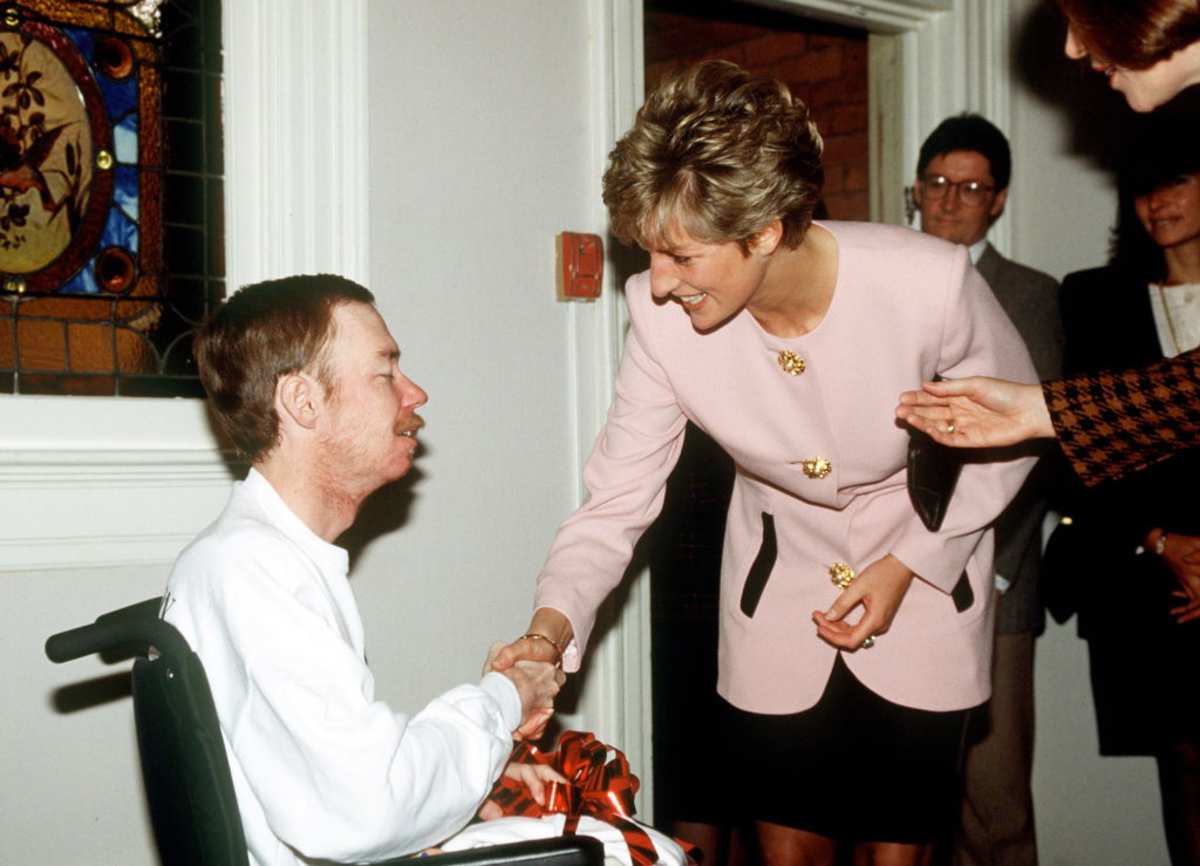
{"x": 1135, "y": 34}
{"x": 265, "y": 331}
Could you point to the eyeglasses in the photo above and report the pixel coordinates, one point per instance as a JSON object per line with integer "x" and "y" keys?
{"x": 970, "y": 192}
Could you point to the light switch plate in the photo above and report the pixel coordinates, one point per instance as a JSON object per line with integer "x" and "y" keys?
{"x": 580, "y": 266}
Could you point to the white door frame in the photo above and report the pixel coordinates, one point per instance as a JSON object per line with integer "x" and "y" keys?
{"x": 929, "y": 59}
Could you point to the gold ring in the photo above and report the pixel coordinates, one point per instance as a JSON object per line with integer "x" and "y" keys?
{"x": 869, "y": 642}
{"x": 950, "y": 428}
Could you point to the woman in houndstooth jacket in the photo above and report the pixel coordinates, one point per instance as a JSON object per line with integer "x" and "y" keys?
{"x": 1133, "y": 548}
{"x": 1112, "y": 424}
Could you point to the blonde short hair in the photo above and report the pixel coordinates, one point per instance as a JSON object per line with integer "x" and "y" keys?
{"x": 716, "y": 153}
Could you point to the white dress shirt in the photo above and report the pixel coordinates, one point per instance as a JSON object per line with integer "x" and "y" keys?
{"x": 1177, "y": 317}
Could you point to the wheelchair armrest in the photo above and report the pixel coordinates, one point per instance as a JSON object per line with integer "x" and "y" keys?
{"x": 557, "y": 851}
{"x": 118, "y": 634}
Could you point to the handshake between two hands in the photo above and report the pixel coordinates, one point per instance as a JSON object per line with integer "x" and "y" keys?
{"x": 537, "y": 681}
{"x": 533, "y": 662}
{"x": 536, "y": 673}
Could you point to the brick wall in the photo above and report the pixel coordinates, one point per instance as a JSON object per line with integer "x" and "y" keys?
{"x": 827, "y": 70}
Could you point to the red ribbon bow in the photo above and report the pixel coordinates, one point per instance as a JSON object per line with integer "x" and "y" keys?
{"x": 597, "y": 786}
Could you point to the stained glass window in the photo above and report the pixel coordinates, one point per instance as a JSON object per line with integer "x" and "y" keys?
{"x": 111, "y": 241}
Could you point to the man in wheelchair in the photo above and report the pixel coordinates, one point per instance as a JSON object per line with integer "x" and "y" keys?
{"x": 304, "y": 378}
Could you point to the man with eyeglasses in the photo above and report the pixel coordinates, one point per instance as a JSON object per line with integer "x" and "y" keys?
{"x": 961, "y": 189}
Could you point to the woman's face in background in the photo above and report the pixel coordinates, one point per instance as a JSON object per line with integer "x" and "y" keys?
{"x": 1170, "y": 213}
{"x": 1144, "y": 89}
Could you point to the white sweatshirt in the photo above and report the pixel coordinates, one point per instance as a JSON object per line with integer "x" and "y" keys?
{"x": 322, "y": 770}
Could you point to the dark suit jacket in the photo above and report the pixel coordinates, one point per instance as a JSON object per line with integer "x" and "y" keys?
{"x": 1123, "y": 597}
{"x": 1031, "y": 300}
{"x": 1110, "y": 326}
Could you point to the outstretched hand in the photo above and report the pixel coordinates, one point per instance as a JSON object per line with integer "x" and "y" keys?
{"x": 539, "y": 651}
{"x": 879, "y": 590}
{"x": 537, "y": 682}
{"x": 977, "y": 412}
{"x": 1188, "y": 609}
{"x": 1181, "y": 554}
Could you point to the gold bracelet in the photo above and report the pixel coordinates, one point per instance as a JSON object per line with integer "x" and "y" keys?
{"x": 533, "y": 635}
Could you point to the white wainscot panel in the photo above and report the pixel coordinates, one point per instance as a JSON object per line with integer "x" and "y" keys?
{"x": 91, "y": 484}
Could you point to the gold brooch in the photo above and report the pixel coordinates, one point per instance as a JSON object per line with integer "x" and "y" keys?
{"x": 791, "y": 363}
{"x": 841, "y": 574}
{"x": 816, "y": 467}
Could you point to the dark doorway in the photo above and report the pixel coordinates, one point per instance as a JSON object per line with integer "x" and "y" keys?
{"x": 824, "y": 64}
{"x": 683, "y": 548}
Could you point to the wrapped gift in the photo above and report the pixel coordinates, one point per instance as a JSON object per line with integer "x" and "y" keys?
{"x": 597, "y": 800}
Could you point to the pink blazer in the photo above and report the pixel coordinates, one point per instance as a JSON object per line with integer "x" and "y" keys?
{"x": 906, "y": 306}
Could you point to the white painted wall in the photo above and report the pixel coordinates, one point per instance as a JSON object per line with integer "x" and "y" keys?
{"x": 480, "y": 153}
{"x": 70, "y": 788}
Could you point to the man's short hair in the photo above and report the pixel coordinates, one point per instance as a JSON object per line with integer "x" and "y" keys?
{"x": 969, "y": 132}
{"x": 719, "y": 153}
{"x": 267, "y": 330}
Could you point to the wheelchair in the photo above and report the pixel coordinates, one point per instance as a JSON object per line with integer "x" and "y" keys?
{"x": 193, "y": 806}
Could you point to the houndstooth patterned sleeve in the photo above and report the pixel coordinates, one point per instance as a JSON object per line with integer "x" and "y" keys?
{"x": 1117, "y": 423}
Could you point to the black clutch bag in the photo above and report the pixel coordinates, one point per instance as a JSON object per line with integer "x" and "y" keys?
{"x": 932, "y": 473}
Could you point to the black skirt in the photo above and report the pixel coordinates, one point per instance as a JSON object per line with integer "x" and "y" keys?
{"x": 1143, "y": 671}
{"x": 854, "y": 767}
